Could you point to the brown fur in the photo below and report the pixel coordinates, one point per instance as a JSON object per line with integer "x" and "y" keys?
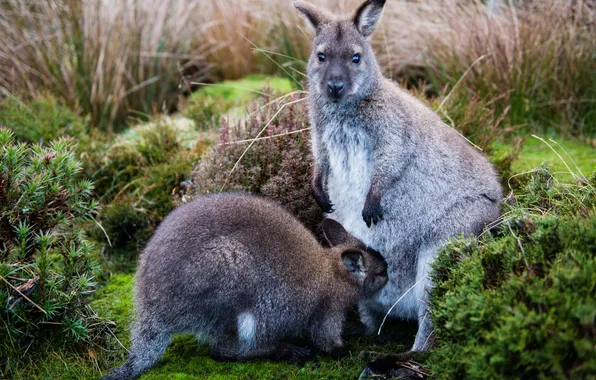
{"x": 246, "y": 273}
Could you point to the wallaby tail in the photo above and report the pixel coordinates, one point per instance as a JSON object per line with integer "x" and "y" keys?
{"x": 148, "y": 346}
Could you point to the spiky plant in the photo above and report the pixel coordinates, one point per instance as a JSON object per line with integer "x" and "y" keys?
{"x": 46, "y": 267}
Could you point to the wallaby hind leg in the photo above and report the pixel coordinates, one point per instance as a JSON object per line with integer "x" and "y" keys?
{"x": 228, "y": 348}
{"x": 423, "y": 337}
{"x": 148, "y": 346}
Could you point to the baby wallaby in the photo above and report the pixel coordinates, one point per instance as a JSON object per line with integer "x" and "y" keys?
{"x": 386, "y": 167}
{"x": 244, "y": 273}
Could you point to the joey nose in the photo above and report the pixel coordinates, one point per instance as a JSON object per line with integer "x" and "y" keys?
{"x": 335, "y": 89}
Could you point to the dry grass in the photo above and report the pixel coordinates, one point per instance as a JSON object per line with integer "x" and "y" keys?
{"x": 111, "y": 57}
{"x": 539, "y": 60}
{"x": 106, "y": 58}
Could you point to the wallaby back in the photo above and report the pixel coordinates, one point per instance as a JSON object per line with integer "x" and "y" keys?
{"x": 244, "y": 273}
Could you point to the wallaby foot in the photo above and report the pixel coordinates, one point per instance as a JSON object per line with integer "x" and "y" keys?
{"x": 390, "y": 366}
{"x": 285, "y": 352}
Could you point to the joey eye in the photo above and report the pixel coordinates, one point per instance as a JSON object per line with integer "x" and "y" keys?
{"x": 356, "y": 59}
{"x": 321, "y": 57}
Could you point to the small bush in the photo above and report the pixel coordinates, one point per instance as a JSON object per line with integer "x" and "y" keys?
{"x": 277, "y": 165}
{"x": 522, "y": 304}
{"x": 41, "y": 119}
{"x": 46, "y": 266}
{"x": 136, "y": 177}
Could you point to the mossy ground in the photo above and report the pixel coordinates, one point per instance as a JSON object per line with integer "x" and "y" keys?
{"x": 187, "y": 359}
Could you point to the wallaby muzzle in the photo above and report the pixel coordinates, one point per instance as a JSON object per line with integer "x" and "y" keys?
{"x": 335, "y": 90}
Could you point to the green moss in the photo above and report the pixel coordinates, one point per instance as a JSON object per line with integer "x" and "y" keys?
{"x": 41, "y": 119}
{"x": 208, "y": 104}
{"x": 535, "y": 153}
{"x": 114, "y": 302}
{"x": 501, "y": 311}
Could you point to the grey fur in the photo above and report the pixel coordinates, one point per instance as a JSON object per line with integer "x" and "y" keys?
{"x": 243, "y": 272}
{"x": 387, "y": 168}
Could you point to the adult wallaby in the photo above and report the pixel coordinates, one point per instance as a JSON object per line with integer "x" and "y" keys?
{"x": 243, "y": 272}
{"x": 386, "y": 167}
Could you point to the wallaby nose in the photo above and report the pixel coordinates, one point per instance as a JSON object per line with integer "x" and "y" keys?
{"x": 335, "y": 88}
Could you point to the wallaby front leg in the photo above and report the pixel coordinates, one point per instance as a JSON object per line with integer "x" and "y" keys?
{"x": 372, "y": 213}
{"x": 386, "y": 172}
{"x": 319, "y": 192}
{"x": 326, "y": 334}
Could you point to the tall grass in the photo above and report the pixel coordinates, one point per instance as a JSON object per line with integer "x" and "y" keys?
{"x": 107, "y": 58}
{"x": 533, "y": 63}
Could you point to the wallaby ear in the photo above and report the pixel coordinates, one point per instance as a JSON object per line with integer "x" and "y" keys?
{"x": 312, "y": 13}
{"x": 334, "y": 232}
{"x": 368, "y": 15}
{"x": 353, "y": 262}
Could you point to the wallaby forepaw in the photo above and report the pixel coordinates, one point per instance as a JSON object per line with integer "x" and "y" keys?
{"x": 372, "y": 212}
{"x": 339, "y": 352}
{"x": 323, "y": 201}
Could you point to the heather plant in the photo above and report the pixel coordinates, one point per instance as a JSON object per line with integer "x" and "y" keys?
{"x": 266, "y": 154}
{"x": 47, "y": 270}
{"x": 522, "y": 303}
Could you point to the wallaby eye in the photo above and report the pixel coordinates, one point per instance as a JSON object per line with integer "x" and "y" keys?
{"x": 356, "y": 59}
{"x": 321, "y": 57}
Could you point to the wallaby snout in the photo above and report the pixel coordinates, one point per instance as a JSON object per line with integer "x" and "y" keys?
{"x": 336, "y": 88}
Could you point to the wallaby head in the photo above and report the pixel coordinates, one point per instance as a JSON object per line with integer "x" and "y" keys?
{"x": 365, "y": 267}
{"x": 342, "y": 65}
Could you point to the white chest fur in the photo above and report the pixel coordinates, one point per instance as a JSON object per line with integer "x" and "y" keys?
{"x": 350, "y": 168}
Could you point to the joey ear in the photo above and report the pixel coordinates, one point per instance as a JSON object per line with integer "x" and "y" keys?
{"x": 334, "y": 232}
{"x": 368, "y": 15}
{"x": 312, "y": 13}
{"x": 353, "y": 262}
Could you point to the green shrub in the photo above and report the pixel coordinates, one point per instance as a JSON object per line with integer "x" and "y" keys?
{"x": 41, "y": 119}
{"x": 46, "y": 266}
{"x": 522, "y": 304}
{"x": 136, "y": 177}
{"x": 277, "y": 165}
